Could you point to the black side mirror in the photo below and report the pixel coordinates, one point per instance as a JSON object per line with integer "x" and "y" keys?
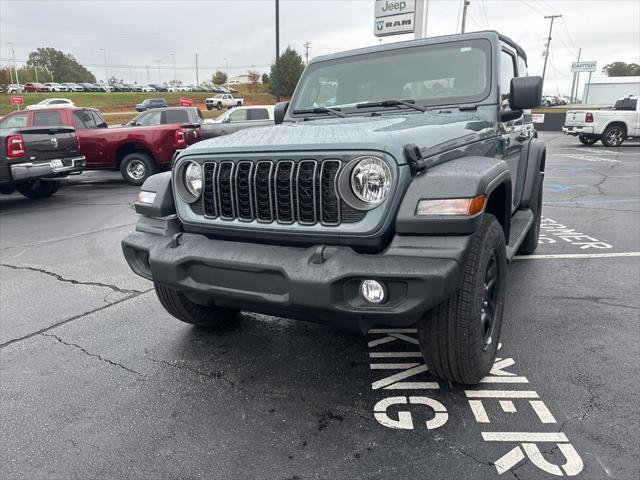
{"x": 279, "y": 112}
{"x": 525, "y": 93}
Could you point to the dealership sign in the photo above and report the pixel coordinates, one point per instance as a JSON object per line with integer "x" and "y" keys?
{"x": 394, "y": 17}
{"x": 186, "y": 102}
{"x": 17, "y": 100}
{"x": 583, "y": 66}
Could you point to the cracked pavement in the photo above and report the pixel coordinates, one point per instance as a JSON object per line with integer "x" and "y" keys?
{"x": 98, "y": 381}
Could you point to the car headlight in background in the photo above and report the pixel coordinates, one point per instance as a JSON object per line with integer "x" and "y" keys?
{"x": 371, "y": 180}
{"x": 193, "y": 179}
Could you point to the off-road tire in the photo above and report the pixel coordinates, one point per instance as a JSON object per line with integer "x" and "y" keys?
{"x": 530, "y": 242}
{"x": 452, "y": 336}
{"x": 130, "y": 171}
{"x": 209, "y": 107}
{"x": 178, "y": 305}
{"x": 609, "y": 140}
{"x": 587, "y": 139}
{"x": 219, "y": 105}
{"x": 38, "y": 188}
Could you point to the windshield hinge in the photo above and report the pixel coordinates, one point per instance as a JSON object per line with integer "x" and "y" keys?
{"x": 413, "y": 155}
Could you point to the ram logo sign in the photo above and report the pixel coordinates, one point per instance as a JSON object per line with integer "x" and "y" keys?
{"x": 394, "y": 25}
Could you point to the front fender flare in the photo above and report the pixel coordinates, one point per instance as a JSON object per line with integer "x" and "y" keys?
{"x": 465, "y": 177}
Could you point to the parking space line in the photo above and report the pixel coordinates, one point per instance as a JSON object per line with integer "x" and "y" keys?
{"x": 524, "y": 437}
{"x": 577, "y": 255}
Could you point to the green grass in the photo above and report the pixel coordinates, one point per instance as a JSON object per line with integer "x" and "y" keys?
{"x": 124, "y": 102}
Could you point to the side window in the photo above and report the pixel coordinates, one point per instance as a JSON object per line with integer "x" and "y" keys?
{"x": 176, "y": 116}
{"x": 83, "y": 120}
{"x": 507, "y": 72}
{"x": 58, "y": 102}
{"x": 200, "y": 115}
{"x": 238, "y": 116}
{"x": 151, "y": 118}
{"x": 100, "y": 122}
{"x": 258, "y": 114}
{"x": 15, "y": 121}
{"x": 47, "y": 119}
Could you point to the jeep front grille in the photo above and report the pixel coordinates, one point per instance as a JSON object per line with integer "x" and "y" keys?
{"x": 281, "y": 191}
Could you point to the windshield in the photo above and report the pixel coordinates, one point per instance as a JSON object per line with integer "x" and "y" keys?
{"x": 441, "y": 74}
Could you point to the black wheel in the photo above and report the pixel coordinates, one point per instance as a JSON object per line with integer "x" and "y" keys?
{"x": 587, "y": 139}
{"x": 178, "y": 305}
{"x": 209, "y": 107}
{"x": 38, "y": 188}
{"x": 530, "y": 242}
{"x": 459, "y": 337}
{"x": 219, "y": 106}
{"x": 137, "y": 167}
{"x": 613, "y": 136}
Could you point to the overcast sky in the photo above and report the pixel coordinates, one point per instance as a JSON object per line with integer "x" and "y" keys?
{"x": 139, "y": 36}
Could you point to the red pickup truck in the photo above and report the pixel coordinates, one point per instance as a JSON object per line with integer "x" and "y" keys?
{"x": 136, "y": 151}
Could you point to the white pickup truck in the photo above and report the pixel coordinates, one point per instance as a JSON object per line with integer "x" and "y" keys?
{"x": 223, "y": 100}
{"x": 612, "y": 127}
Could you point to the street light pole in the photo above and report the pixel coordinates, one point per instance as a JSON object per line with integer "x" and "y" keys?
{"x": 175, "y": 77}
{"x": 106, "y": 72}
{"x": 15, "y": 67}
{"x": 277, "y": 50}
{"x": 197, "y": 81}
{"x": 464, "y": 13}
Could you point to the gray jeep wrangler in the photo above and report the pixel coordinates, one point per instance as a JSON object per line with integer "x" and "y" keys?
{"x": 394, "y": 188}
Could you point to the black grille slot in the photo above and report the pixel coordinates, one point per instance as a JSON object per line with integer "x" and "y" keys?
{"x": 306, "y": 191}
{"x": 208, "y": 198}
{"x": 243, "y": 190}
{"x": 263, "y": 191}
{"x": 329, "y": 201}
{"x": 225, "y": 186}
{"x": 282, "y": 191}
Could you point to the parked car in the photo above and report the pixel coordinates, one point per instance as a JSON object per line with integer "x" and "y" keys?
{"x": 147, "y": 88}
{"x": 150, "y": 103}
{"x": 73, "y": 87}
{"x": 100, "y": 87}
{"x": 611, "y": 126}
{"x": 376, "y": 213}
{"x": 14, "y": 88}
{"x": 238, "y": 118}
{"x": 184, "y": 88}
{"x": 90, "y": 87}
{"x": 136, "y": 88}
{"x": 159, "y": 88}
{"x": 36, "y": 87}
{"x": 56, "y": 87}
{"x": 225, "y": 100}
{"x": 166, "y": 115}
{"x": 136, "y": 151}
{"x": 119, "y": 87}
{"x": 34, "y": 160}
{"x": 51, "y": 102}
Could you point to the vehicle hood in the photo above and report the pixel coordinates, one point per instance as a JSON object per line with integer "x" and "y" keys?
{"x": 433, "y": 131}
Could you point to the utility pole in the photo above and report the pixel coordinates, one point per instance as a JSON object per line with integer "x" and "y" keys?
{"x": 11, "y": 73}
{"x": 35, "y": 69}
{"x": 574, "y": 83}
{"x": 15, "y": 66}
{"x": 148, "y": 77}
{"x": 106, "y": 73}
{"x": 464, "y": 13}
{"x": 197, "y": 82}
{"x": 277, "y": 50}
{"x": 548, "y": 45}
{"x": 175, "y": 77}
{"x": 306, "y": 46}
{"x": 159, "y": 62}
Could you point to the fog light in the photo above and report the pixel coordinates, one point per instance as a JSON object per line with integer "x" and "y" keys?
{"x": 373, "y": 291}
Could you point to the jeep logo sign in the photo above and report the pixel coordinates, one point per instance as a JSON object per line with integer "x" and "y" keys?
{"x": 385, "y": 8}
{"x": 394, "y": 17}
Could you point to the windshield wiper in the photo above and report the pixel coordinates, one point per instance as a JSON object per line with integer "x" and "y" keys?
{"x": 334, "y": 111}
{"x": 392, "y": 103}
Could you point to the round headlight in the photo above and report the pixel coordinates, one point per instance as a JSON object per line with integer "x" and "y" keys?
{"x": 371, "y": 180}
{"x": 193, "y": 179}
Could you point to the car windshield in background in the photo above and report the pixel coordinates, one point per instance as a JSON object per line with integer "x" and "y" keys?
{"x": 456, "y": 72}
{"x": 626, "y": 104}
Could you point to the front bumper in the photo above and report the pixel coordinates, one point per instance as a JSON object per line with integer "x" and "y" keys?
{"x": 577, "y": 130}
{"x": 319, "y": 283}
{"x": 26, "y": 171}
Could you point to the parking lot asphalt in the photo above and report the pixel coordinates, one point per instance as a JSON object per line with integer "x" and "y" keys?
{"x": 98, "y": 381}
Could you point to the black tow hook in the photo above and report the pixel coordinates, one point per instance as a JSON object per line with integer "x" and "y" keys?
{"x": 175, "y": 240}
{"x": 413, "y": 155}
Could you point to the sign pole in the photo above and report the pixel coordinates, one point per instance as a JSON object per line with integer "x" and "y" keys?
{"x": 419, "y": 16}
{"x": 586, "y": 95}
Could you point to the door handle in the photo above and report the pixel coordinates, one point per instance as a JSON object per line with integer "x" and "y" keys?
{"x": 522, "y": 137}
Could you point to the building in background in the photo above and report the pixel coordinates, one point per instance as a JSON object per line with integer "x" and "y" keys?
{"x": 606, "y": 90}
